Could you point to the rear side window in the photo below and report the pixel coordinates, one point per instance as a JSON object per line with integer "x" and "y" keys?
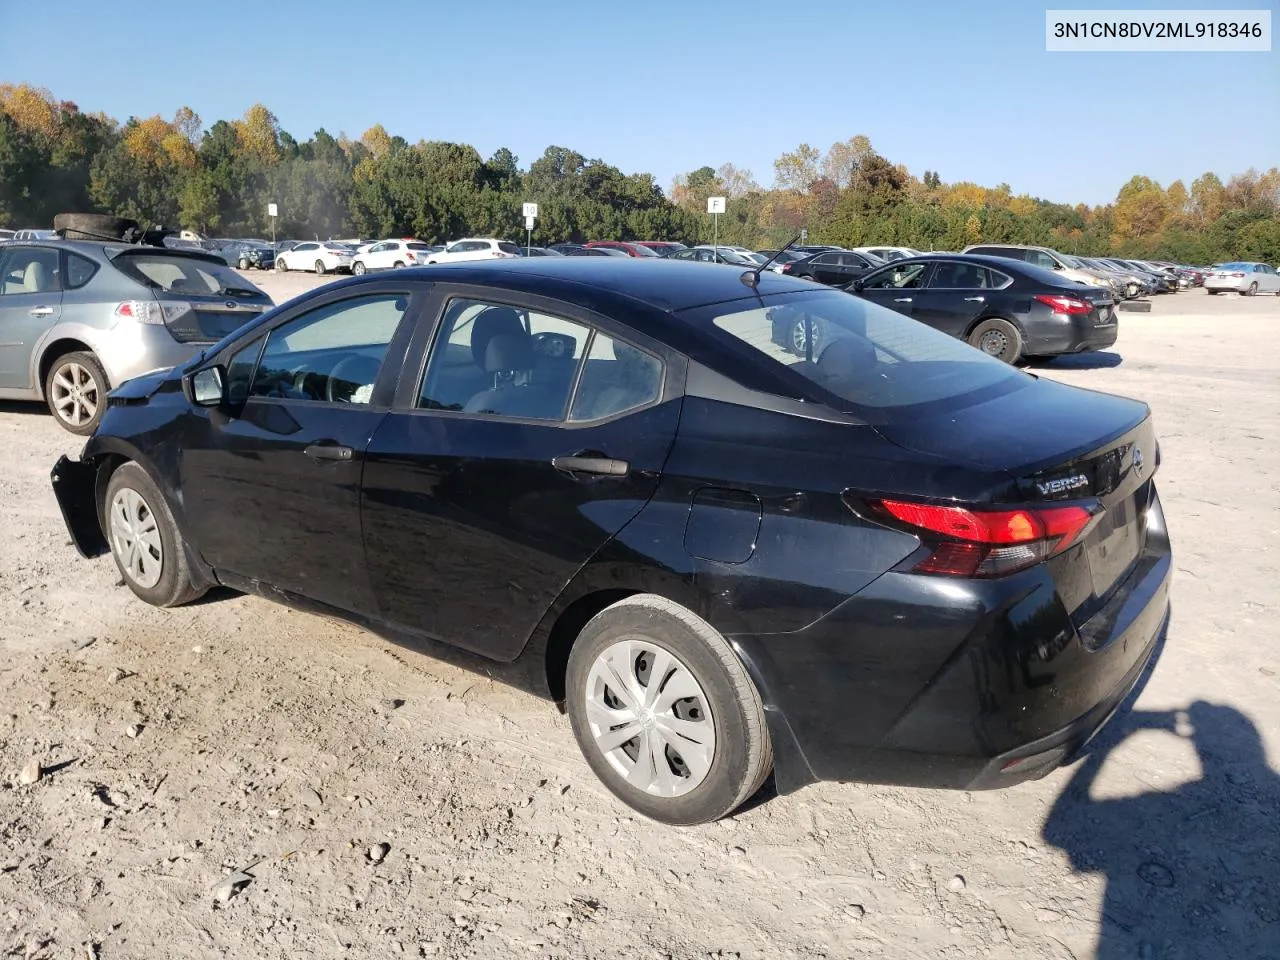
{"x": 80, "y": 270}
{"x": 506, "y": 247}
{"x": 171, "y": 273}
{"x": 873, "y": 359}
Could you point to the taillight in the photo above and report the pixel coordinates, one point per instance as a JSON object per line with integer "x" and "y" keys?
{"x": 1068, "y": 305}
{"x": 786, "y": 268}
{"x": 1235, "y": 274}
{"x": 974, "y": 542}
{"x": 152, "y": 311}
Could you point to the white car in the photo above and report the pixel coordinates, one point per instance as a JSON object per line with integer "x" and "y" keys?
{"x": 320, "y": 257}
{"x": 390, "y": 255}
{"x": 1243, "y": 277}
{"x": 475, "y": 249}
{"x": 889, "y": 253}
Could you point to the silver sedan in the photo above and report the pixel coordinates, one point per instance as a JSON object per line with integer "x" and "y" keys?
{"x": 1250, "y": 279}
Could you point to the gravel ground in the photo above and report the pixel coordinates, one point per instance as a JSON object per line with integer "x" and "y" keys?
{"x": 235, "y": 779}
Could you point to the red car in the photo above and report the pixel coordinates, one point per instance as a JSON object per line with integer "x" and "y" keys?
{"x": 630, "y": 249}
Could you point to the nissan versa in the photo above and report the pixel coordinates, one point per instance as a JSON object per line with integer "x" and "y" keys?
{"x": 897, "y": 560}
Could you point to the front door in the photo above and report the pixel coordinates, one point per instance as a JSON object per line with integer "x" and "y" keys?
{"x": 30, "y": 303}
{"x": 535, "y": 435}
{"x": 957, "y": 295}
{"x": 896, "y": 286}
{"x": 272, "y": 482}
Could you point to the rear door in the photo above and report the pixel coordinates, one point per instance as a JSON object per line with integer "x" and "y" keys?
{"x": 537, "y": 431}
{"x": 271, "y": 484}
{"x": 30, "y": 303}
{"x": 955, "y": 298}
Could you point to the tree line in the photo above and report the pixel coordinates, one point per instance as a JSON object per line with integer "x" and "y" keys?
{"x": 219, "y": 180}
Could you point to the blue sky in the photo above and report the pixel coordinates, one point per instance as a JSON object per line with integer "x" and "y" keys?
{"x": 663, "y": 86}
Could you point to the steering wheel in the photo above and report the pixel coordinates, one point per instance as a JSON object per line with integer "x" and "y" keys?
{"x": 347, "y": 371}
{"x": 550, "y": 345}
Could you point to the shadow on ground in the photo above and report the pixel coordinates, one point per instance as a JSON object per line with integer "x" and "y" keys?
{"x": 1100, "y": 360}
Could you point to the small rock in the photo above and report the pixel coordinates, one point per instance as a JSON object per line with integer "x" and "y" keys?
{"x": 378, "y": 852}
{"x": 956, "y": 884}
{"x": 133, "y": 730}
{"x": 31, "y": 772}
{"x": 273, "y": 814}
{"x": 564, "y": 789}
{"x": 459, "y": 920}
{"x": 232, "y": 884}
{"x": 197, "y": 649}
{"x": 309, "y": 797}
{"x": 116, "y": 675}
{"x": 1156, "y": 874}
{"x": 391, "y": 703}
{"x": 855, "y": 912}
{"x": 737, "y": 852}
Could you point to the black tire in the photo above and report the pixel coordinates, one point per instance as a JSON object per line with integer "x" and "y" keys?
{"x": 74, "y": 382}
{"x": 1253, "y": 289}
{"x": 243, "y": 265}
{"x": 743, "y": 752}
{"x": 93, "y": 226}
{"x": 319, "y": 268}
{"x": 397, "y": 265}
{"x": 281, "y": 266}
{"x": 1212, "y": 293}
{"x": 174, "y": 586}
{"x": 997, "y": 338}
{"x": 358, "y": 268}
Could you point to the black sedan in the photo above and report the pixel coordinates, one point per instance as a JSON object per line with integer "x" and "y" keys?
{"x": 833, "y": 267}
{"x": 1012, "y": 310}
{"x": 894, "y": 560}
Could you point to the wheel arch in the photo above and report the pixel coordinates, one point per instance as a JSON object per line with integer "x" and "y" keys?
{"x": 1006, "y": 316}
{"x": 56, "y": 348}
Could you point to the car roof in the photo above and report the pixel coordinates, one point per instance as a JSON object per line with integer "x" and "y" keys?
{"x": 982, "y": 259}
{"x": 605, "y": 282}
{"x": 101, "y": 248}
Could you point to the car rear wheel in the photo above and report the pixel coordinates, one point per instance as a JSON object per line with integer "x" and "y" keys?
{"x": 76, "y": 390}
{"x": 243, "y": 265}
{"x": 397, "y": 265}
{"x": 664, "y": 712}
{"x": 798, "y": 339}
{"x": 1253, "y": 289}
{"x": 997, "y": 338}
{"x": 144, "y": 540}
{"x": 319, "y": 267}
{"x": 281, "y": 266}
{"x": 358, "y": 268}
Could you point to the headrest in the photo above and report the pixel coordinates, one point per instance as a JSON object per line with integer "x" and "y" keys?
{"x": 489, "y": 324}
{"x": 847, "y": 358}
{"x": 508, "y": 351}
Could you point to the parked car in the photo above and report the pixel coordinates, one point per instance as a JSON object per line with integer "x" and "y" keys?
{"x": 832, "y": 267}
{"x": 808, "y": 249}
{"x": 475, "y": 249}
{"x": 630, "y": 249}
{"x": 539, "y": 252}
{"x": 247, "y": 255}
{"x": 1147, "y": 282}
{"x": 80, "y": 317}
{"x": 889, "y": 253}
{"x": 321, "y": 257}
{"x": 1042, "y": 257}
{"x": 391, "y": 255}
{"x": 710, "y": 254}
{"x": 1007, "y": 309}
{"x": 6, "y": 235}
{"x": 1159, "y": 279}
{"x": 1244, "y": 277}
{"x": 1102, "y": 276}
{"x": 23, "y": 235}
{"x": 663, "y": 248}
{"x": 931, "y": 569}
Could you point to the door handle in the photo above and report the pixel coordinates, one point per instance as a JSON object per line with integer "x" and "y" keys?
{"x": 604, "y": 466}
{"x": 902, "y": 300}
{"x": 328, "y": 451}
{"x": 42, "y": 312}
{"x": 975, "y": 299}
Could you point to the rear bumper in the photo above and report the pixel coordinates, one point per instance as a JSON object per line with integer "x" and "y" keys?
{"x": 921, "y": 681}
{"x": 1238, "y": 285}
{"x": 1051, "y": 337}
{"x": 75, "y": 488}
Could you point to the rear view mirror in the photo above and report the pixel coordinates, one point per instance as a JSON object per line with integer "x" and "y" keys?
{"x": 208, "y": 387}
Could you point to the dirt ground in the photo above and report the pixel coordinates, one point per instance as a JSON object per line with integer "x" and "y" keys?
{"x": 234, "y": 735}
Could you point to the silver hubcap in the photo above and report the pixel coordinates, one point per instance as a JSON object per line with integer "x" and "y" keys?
{"x": 799, "y": 340}
{"x": 650, "y": 718}
{"x": 135, "y": 538}
{"x": 75, "y": 394}
{"x": 993, "y": 342}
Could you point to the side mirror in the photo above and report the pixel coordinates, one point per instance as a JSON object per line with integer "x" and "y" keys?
{"x": 209, "y": 387}
{"x": 1057, "y": 266}
{"x": 856, "y": 285}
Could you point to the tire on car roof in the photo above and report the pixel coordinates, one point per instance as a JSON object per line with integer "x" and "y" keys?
{"x": 93, "y": 226}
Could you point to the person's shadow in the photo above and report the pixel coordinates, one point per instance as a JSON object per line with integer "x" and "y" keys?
{"x": 1191, "y": 872}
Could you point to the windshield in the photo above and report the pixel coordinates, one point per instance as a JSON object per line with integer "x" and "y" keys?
{"x": 871, "y": 358}
{"x": 643, "y": 251}
{"x": 184, "y": 275}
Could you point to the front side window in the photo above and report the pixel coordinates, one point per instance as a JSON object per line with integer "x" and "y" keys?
{"x": 29, "y": 270}
{"x": 879, "y": 362}
{"x": 905, "y": 277}
{"x": 331, "y": 354}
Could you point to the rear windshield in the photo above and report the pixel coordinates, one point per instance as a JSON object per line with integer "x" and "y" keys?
{"x": 417, "y": 246}
{"x": 874, "y": 360}
{"x": 170, "y": 273}
{"x": 508, "y": 247}
{"x": 643, "y": 251}
{"x": 1236, "y": 266}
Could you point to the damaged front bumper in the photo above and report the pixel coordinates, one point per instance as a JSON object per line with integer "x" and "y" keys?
{"x": 75, "y": 486}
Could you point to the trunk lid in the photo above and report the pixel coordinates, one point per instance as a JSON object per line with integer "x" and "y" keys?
{"x": 1056, "y": 444}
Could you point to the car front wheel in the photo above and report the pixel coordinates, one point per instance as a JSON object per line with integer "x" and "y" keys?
{"x": 281, "y": 266}
{"x": 76, "y": 390}
{"x": 358, "y": 268}
{"x": 144, "y": 539}
{"x": 319, "y": 268}
{"x": 1253, "y": 289}
{"x": 665, "y": 713}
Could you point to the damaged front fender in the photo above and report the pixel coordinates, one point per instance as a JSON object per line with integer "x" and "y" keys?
{"x": 75, "y": 487}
